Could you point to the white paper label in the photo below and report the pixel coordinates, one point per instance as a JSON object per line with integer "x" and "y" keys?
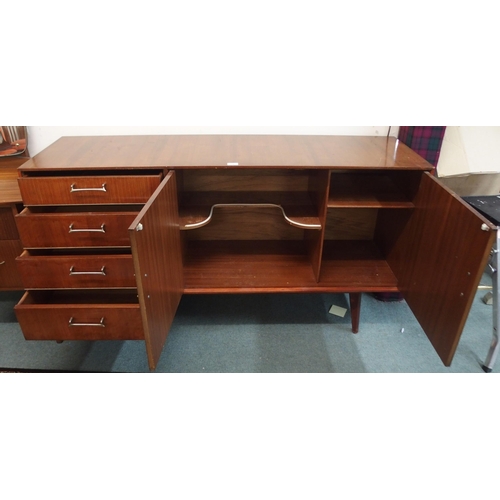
{"x": 338, "y": 311}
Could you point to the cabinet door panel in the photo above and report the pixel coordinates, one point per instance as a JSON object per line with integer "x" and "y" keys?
{"x": 438, "y": 260}
{"x": 156, "y": 250}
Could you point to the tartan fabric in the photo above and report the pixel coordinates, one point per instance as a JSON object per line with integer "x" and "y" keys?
{"x": 426, "y": 141}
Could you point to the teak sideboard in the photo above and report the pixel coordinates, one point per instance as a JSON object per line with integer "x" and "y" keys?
{"x": 116, "y": 229}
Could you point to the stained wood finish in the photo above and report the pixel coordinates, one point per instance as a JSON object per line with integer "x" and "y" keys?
{"x": 8, "y": 229}
{"x": 356, "y": 266}
{"x": 9, "y": 189}
{"x": 355, "y": 304}
{"x": 52, "y": 229}
{"x": 259, "y": 181}
{"x": 247, "y": 266}
{"x": 351, "y": 224}
{"x": 76, "y": 271}
{"x": 10, "y": 278}
{"x": 156, "y": 247}
{"x": 271, "y": 266}
{"x": 196, "y": 207}
{"x": 10, "y": 245}
{"x": 302, "y": 194}
{"x": 439, "y": 258}
{"x": 366, "y": 190}
{"x": 96, "y": 190}
{"x": 237, "y": 223}
{"x": 47, "y": 317}
{"x": 319, "y": 182}
{"x": 256, "y": 151}
{"x": 200, "y": 190}
{"x": 385, "y": 223}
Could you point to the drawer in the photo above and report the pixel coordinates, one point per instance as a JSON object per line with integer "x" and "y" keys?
{"x": 85, "y": 190}
{"x": 53, "y": 229}
{"x": 76, "y": 271}
{"x": 8, "y": 230}
{"x": 70, "y": 316}
{"x": 9, "y": 275}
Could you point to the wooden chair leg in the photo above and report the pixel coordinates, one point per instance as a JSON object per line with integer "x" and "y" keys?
{"x": 355, "y": 303}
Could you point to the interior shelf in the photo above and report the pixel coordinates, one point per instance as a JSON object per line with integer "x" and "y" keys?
{"x": 279, "y": 266}
{"x": 356, "y": 265}
{"x": 247, "y": 266}
{"x": 197, "y": 209}
{"x": 366, "y": 190}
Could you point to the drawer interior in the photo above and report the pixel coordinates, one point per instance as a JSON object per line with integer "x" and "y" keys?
{"x": 79, "y": 297}
{"x": 81, "y": 209}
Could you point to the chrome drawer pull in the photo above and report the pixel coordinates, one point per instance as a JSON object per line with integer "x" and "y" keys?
{"x": 72, "y": 272}
{"x": 79, "y": 190}
{"x": 102, "y": 229}
{"x": 3, "y": 262}
{"x": 101, "y": 323}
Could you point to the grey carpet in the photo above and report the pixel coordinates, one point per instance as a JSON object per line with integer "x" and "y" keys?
{"x": 263, "y": 333}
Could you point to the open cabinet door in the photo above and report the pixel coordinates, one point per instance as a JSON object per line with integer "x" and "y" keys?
{"x": 439, "y": 260}
{"x": 156, "y": 250}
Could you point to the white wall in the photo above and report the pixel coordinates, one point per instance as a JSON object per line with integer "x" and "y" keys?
{"x": 41, "y": 137}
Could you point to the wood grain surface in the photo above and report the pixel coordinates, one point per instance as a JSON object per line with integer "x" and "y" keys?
{"x": 257, "y": 151}
{"x": 156, "y": 250}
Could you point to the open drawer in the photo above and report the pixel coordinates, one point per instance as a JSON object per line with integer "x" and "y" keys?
{"x": 85, "y": 190}
{"x": 66, "y": 227}
{"x": 51, "y": 269}
{"x": 56, "y": 315}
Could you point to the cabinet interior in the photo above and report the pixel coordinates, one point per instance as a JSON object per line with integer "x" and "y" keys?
{"x": 265, "y": 229}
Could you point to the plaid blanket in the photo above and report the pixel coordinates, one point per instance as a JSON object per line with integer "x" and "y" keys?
{"x": 426, "y": 141}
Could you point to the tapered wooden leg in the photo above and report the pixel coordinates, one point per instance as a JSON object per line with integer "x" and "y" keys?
{"x": 355, "y": 303}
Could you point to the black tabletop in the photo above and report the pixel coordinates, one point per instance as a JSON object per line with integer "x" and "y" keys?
{"x": 489, "y": 206}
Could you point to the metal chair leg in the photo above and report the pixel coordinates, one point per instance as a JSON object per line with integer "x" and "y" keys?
{"x": 491, "y": 357}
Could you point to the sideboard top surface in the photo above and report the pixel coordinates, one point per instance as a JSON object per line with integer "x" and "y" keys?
{"x": 223, "y": 151}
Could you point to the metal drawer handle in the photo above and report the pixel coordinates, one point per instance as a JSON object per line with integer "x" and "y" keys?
{"x": 72, "y": 272}
{"x": 79, "y": 190}
{"x": 101, "y": 323}
{"x": 3, "y": 262}
{"x": 102, "y": 229}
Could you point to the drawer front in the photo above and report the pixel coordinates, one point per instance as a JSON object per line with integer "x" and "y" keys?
{"x": 76, "y": 271}
{"x": 127, "y": 189}
{"x": 79, "y": 321}
{"x": 8, "y": 230}
{"x": 74, "y": 230}
{"x": 10, "y": 278}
